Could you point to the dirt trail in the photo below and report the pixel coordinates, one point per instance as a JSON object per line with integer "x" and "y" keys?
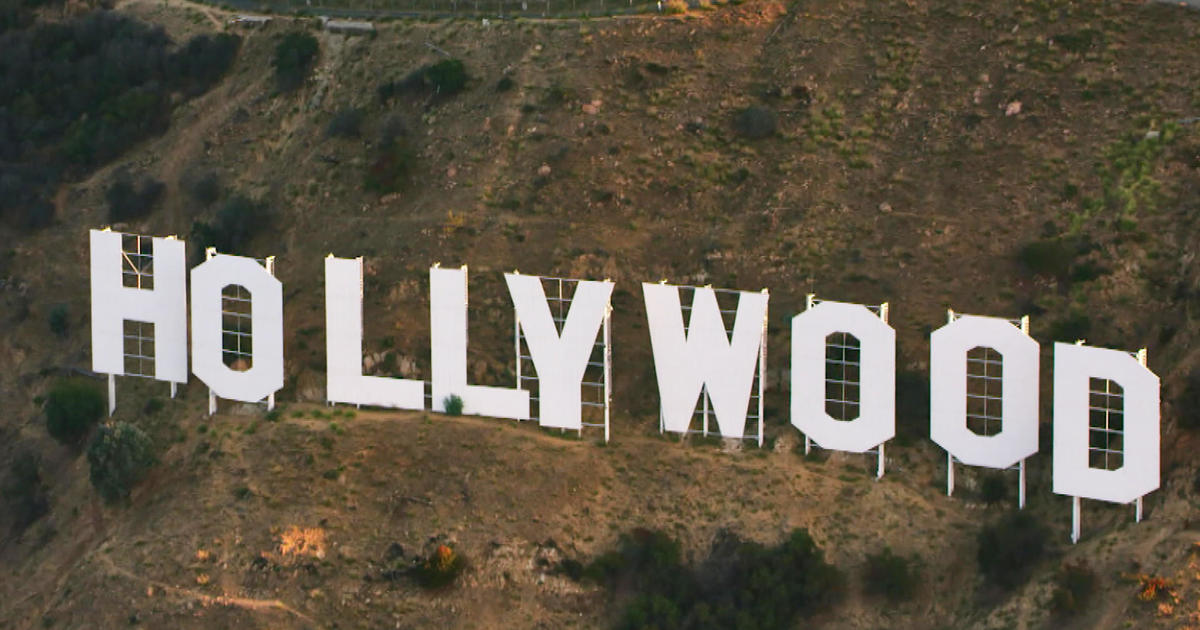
{"x": 245, "y": 603}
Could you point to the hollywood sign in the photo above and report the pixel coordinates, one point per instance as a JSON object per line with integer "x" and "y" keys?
{"x": 984, "y": 377}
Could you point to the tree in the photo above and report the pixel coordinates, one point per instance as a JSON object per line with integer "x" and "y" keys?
{"x": 120, "y": 455}
{"x": 72, "y": 408}
{"x": 26, "y": 497}
{"x": 294, "y": 58}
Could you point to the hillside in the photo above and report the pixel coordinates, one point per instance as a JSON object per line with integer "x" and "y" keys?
{"x": 1001, "y": 158}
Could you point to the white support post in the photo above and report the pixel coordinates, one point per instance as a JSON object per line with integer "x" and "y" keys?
{"x": 882, "y": 459}
{"x": 269, "y": 263}
{"x": 1137, "y": 514}
{"x": 807, "y": 445}
{"x": 704, "y": 401}
{"x": 762, "y": 377}
{"x": 112, "y": 394}
{"x": 517, "y": 345}
{"x": 949, "y": 475}
{"x": 607, "y": 368}
{"x": 174, "y": 389}
{"x": 212, "y": 403}
{"x": 1075, "y": 517}
{"x": 1021, "y": 486}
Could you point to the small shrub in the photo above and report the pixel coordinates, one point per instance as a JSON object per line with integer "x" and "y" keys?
{"x": 238, "y": 221}
{"x": 153, "y": 406}
{"x": 1075, "y": 325}
{"x": 1049, "y": 257}
{"x": 453, "y": 405}
{"x": 891, "y": 576}
{"x": 294, "y": 58}
{"x": 992, "y": 489}
{"x": 26, "y": 498}
{"x": 440, "y": 569}
{"x": 346, "y": 123}
{"x": 447, "y": 77}
{"x": 120, "y": 455}
{"x": 392, "y": 130}
{"x": 912, "y": 407}
{"x": 391, "y": 169}
{"x": 505, "y": 84}
{"x": 675, "y": 7}
{"x": 59, "y": 320}
{"x": 1189, "y": 400}
{"x": 127, "y": 202}
{"x": 1074, "y": 586}
{"x": 72, "y": 408}
{"x": 755, "y": 122}
{"x": 1010, "y": 547}
{"x": 203, "y": 186}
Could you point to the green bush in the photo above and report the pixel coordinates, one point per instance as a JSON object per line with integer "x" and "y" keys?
{"x": 237, "y": 222}
{"x": 294, "y": 58}
{"x": 391, "y": 169}
{"x": 26, "y": 498}
{"x": 120, "y": 455}
{"x": 127, "y": 202}
{"x": 1189, "y": 401}
{"x": 992, "y": 489}
{"x": 505, "y": 84}
{"x": 1075, "y": 325}
{"x": 740, "y": 585}
{"x": 453, "y": 405}
{"x": 59, "y": 320}
{"x": 755, "y": 122}
{"x": 912, "y": 406}
{"x": 1010, "y": 548}
{"x": 346, "y": 123}
{"x": 447, "y": 77}
{"x": 1074, "y": 586}
{"x": 891, "y": 576}
{"x": 203, "y": 186}
{"x": 1052, "y": 257}
{"x": 77, "y": 91}
{"x": 72, "y": 408}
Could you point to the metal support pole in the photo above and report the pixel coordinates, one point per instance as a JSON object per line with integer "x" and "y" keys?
{"x": 517, "y": 345}
{"x": 212, "y": 403}
{"x": 174, "y": 389}
{"x": 704, "y": 400}
{"x": 882, "y": 459}
{"x": 1021, "y": 487}
{"x": 607, "y": 368}
{"x": 807, "y": 445}
{"x": 112, "y": 394}
{"x": 1075, "y": 516}
{"x": 949, "y": 475}
{"x": 762, "y": 376}
{"x": 271, "y": 402}
{"x": 1137, "y": 514}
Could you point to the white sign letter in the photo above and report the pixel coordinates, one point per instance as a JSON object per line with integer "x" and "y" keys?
{"x": 1016, "y": 387}
{"x": 1106, "y": 422}
{"x": 265, "y": 375}
{"x": 448, "y": 337}
{"x": 703, "y": 357}
{"x": 343, "y": 345}
{"x": 113, "y": 303}
{"x": 560, "y": 361}
{"x": 862, "y": 352}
